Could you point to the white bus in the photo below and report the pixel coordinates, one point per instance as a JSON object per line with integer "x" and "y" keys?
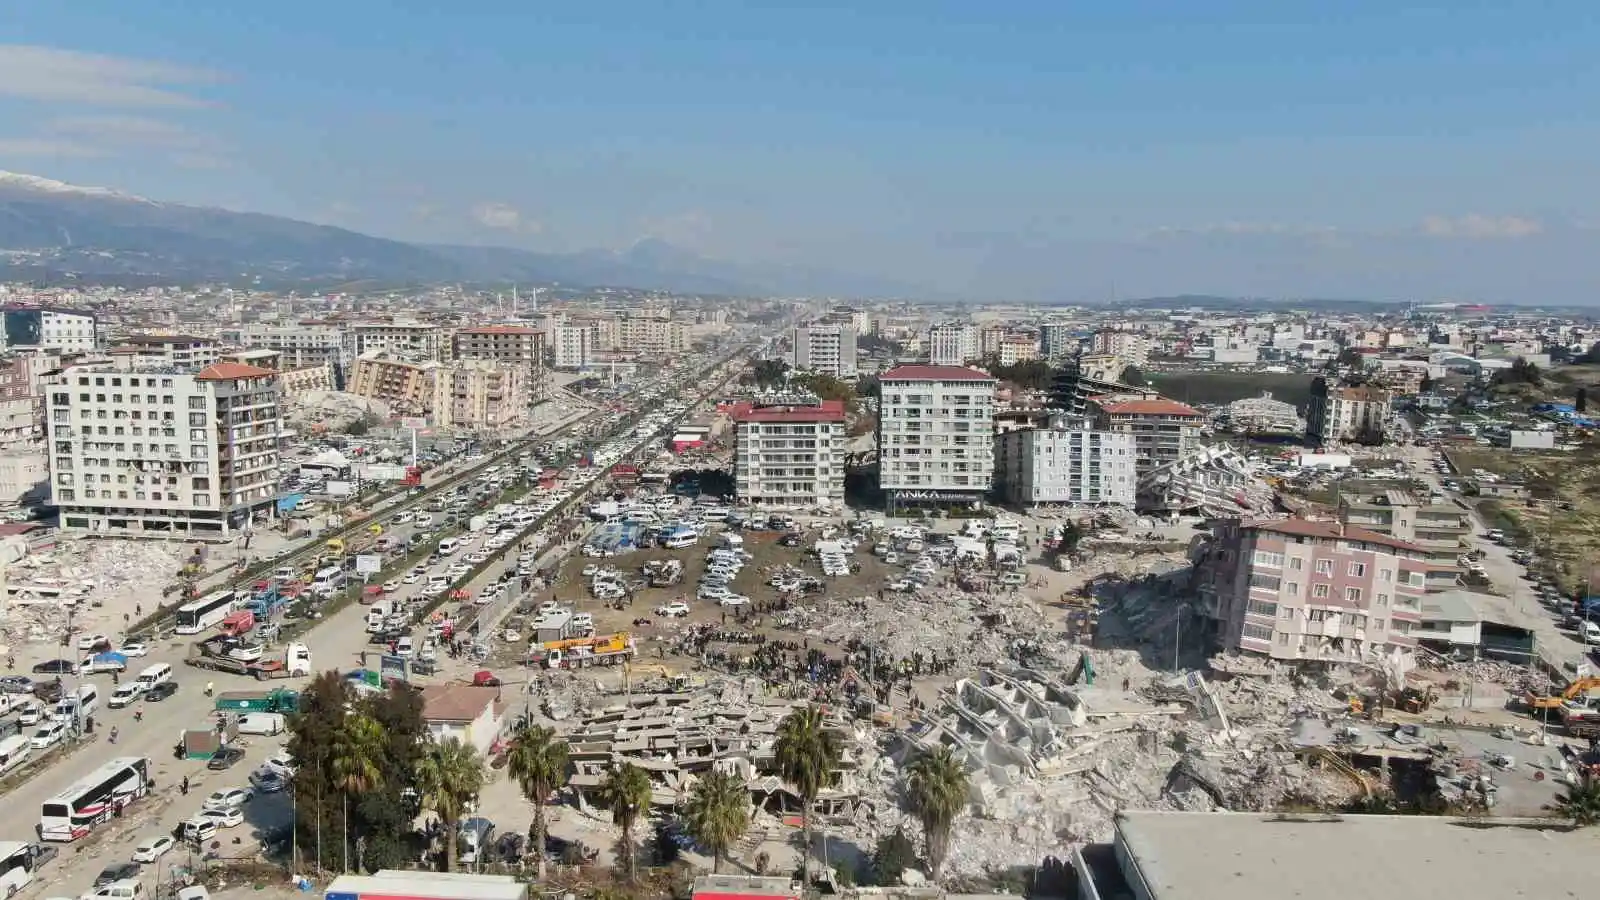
{"x": 16, "y": 867}
{"x": 193, "y": 618}
{"x": 95, "y": 798}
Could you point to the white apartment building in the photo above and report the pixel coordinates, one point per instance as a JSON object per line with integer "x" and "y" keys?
{"x": 790, "y": 456}
{"x": 47, "y": 329}
{"x": 417, "y": 340}
{"x": 162, "y": 453}
{"x": 935, "y": 435}
{"x": 573, "y": 347}
{"x": 1067, "y": 462}
{"x": 826, "y": 350}
{"x": 1017, "y": 348}
{"x": 1057, "y": 340}
{"x": 652, "y": 335}
{"x": 952, "y": 344}
{"x": 1132, "y": 346}
{"x": 1340, "y": 413}
{"x": 151, "y": 350}
{"x": 301, "y": 345}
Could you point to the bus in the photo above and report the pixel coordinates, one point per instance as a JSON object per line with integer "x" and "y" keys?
{"x": 17, "y": 864}
{"x": 193, "y": 618}
{"x": 95, "y": 798}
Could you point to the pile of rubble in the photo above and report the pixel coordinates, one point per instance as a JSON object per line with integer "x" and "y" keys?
{"x": 98, "y": 585}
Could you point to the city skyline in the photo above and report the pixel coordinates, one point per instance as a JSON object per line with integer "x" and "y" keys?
{"x": 1030, "y": 153}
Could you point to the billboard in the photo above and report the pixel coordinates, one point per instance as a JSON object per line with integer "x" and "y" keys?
{"x": 391, "y": 669}
{"x": 415, "y": 423}
{"x": 369, "y": 564}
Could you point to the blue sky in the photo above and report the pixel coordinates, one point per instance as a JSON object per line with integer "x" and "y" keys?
{"x": 1026, "y": 149}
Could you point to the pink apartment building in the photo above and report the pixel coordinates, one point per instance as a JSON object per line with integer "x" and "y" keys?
{"x": 1293, "y": 589}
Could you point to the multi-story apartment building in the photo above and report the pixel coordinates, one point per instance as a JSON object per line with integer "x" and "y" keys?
{"x": 46, "y": 328}
{"x": 1132, "y": 346}
{"x": 405, "y": 386}
{"x": 1057, "y": 341}
{"x": 1340, "y": 413}
{"x": 260, "y": 357}
{"x": 311, "y": 379}
{"x": 1065, "y": 462}
{"x": 180, "y": 350}
{"x": 506, "y": 345}
{"x": 414, "y": 340}
{"x": 301, "y": 345}
{"x": 161, "y": 452}
{"x": 790, "y": 456}
{"x": 652, "y": 335}
{"x": 1439, "y": 528}
{"x": 1293, "y": 589}
{"x": 935, "y": 435}
{"x": 826, "y": 350}
{"x": 479, "y": 395}
{"x": 574, "y": 347}
{"x": 989, "y": 338}
{"x": 952, "y": 344}
{"x": 1015, "y": 348}
{"x": 1162, "y": 430}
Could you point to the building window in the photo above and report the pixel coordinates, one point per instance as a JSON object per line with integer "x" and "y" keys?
{"x": 1317, "y": 615}
{"x": 1296, "y": 564}
{"x": 1268, "y": 582}
{"x": 1386, "y": 575}
{"x": 1377, "y": 624}
{"x": 1293, "y": 588}
{"x": 1266, "y": 558}
{"x": 1353, "y": 595}
{"x": 1262, "y": 608}
{"x": 1358, "y": 570}
{"x": 1324, "y": 567}
{"x": 1319, "y": 591}
{"x": 1383, "y": 599}
{"x": 1256, "y": 632}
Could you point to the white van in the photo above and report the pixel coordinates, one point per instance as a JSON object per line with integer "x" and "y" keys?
{"x": 13, "y": 751}
{"x": 84, "y": 704}
{"x": 680, "y": 539}
{"x": 449, "y": 546}
{"x": 328, "y": 581}
{"x": 154, "y": 675}
{"x": 376, "y": 614}
{"x": 263, "y": 723}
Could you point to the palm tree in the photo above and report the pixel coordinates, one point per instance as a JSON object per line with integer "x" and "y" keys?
{"x": 538, "y": 762}
{"x": 627, "y": 792}
{"x": 449, "y": 777}
{"x": 357, "y": 752}
{"x": 719, "y": 814}
{"x": 808, "y": 757}
{"x": 1580, "y": 803}
{"x": 936, "y": 785}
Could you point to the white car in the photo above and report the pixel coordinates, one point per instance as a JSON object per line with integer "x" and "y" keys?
{"x": 281, "y": 762}
{"x": 424, "y": 520}
{"x": 402, "y": 517}
{"x": 134, "y": 649}
{"x": 48, "y": 735}
{"x": 152, "y": 849}
{"x": 391, "y": 585}
{"x": 456, "y": 571}
{"x": 735, "y": 600}
{"x": 583, "y": 622}
{"x": 125, "y": 695}
{"x": 674, "y": 609}
{"x": 411, "y": 577}
{"x": 476, "y": 558}
{"x": 32, "y": 714}
{"x": 711, "y": 592}
{"x": 91, "y": 641}
{"x": 225, "y": 818}
{"x": 227, "y": 798}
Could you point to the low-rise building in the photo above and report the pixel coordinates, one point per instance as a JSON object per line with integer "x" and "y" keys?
{"x": 790, "y": 456}
{"x": 1065, "y": 462}
{"x": 472, "y": 714}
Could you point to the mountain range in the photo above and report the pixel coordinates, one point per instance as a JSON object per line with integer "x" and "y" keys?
{"x": 51, "y": 230}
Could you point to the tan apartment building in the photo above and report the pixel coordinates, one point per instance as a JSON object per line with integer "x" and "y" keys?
{"x": 306, "y": 380}
{"x": 653, "y": 335}
{"x": 406, "y": 387}
{"x": 1441, "y": 529}
{"x": 1299, "y": 590}
{"x": 1163, "y": 430}
{"x": 1340, "y": 413}
{"x": 506, "y": 345}
{"x": 480, "y": 395}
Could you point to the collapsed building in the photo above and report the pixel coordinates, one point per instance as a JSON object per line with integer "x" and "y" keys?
{"x": 1212, "y": 481}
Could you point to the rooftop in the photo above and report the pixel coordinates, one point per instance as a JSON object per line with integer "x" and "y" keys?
{"x": 1148, "y": 408}
{"x": 826, "y": 411}
{"x": 499, "y": 329}
{"x": 935, "y": 373}
{"x": 456, "y": 702}
{"x": 1331, "y": 530}
{"x": 230, "y": 370}
{"x": 1244, "y": 856}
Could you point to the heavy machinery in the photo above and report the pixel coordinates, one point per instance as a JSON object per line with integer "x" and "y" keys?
{"x": 1576, "y": 689}
{"x": 608, "y": 650}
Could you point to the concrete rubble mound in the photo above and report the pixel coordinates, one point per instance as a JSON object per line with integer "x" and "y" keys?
{"x": 1211, "y": 480}
{"x": 87, "y": 583}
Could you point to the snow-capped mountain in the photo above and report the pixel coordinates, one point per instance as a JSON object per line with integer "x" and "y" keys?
{"x": 17, "y": 181}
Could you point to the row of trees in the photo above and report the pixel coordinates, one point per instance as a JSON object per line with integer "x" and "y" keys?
{"x": 367, "y": 768}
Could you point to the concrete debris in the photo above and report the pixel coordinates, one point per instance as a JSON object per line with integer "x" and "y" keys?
{"x": 1210, "y": 480}
{"x": 87, "y": 583}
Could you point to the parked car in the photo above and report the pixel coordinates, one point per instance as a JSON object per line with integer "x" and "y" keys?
{"x": 224, "y": 758}
{"x": 153, "y": 848}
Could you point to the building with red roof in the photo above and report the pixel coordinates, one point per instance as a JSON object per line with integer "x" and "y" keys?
{"x": 790, "y": 456}
{"x": 1163, "y": 430}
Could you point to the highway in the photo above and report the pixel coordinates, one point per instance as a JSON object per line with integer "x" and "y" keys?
{"x": 336, "y": 642}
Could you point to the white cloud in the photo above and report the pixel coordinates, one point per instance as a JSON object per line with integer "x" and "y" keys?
{"x": 1481, "y": 227}
{"x": 54, "y": 75}
{"x": 47, "y": 147}
{"x": 1244, "y": 228}
{"x": 503, "y": 217}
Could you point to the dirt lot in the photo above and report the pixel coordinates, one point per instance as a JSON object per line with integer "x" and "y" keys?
{"x": 1563, "y": 513}
{"x": 571, "y": 588}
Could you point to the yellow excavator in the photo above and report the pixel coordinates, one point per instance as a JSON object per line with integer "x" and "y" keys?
{"x": 1576, "y": 689}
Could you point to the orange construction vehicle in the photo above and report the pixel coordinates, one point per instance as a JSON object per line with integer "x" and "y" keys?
{"x": 1576, "y": 689}
{"x": 605, "y": 650}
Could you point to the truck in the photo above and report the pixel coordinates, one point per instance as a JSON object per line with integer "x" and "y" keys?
{"x": 237, "y": 623}
{"x": 273, "y": 700}
{"x": 203, "y": 743}
{"x": 610, "y": 650}
{"x": 477, "y": 524}
{"x": 213, "y": 655}
{"x": 267, "y": 599}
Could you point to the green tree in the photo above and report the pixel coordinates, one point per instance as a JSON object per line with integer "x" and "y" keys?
{"x": 627, "y": 793}
{"x": 719, "y": 814}
{"x": 1133, "y": 375}
{"x": 1521, "y": 372}
{"x": 936, "y": 786}
{"x": 808, "y": 756}
{"x": 356, "y": 766}
{"x": 538, "y": 762}
{"x": 314, "y": 732}
{"x": 449, "y": 777}
{"x": 892, "y": 856}
{"x": 1579, "y": 803}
